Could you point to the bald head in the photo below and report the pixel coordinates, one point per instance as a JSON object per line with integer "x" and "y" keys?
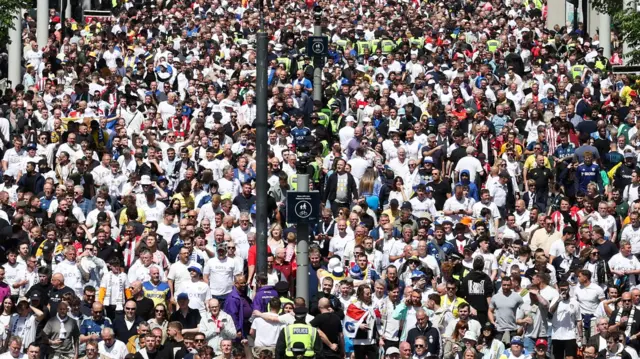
{"x": 324, "y": 304}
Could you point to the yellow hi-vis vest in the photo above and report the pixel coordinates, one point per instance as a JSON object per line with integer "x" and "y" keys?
{"x": 374, "y": 45}
{"x": 418, "y": 41}
{"x": 362, "y": 45}
{"x": 293, "y": 182}
{"x": 342, "y": 44}
{"x": 286, "y": 62}
{"x": 493, "y": 45}
{"x": 300, "y": 333}
{"x": 387, "y": 46}
{"x": 576, "y": 70}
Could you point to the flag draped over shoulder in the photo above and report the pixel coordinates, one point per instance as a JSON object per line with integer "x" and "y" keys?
{"x": 352, "y": 320}
{"x": 355, "y": 316}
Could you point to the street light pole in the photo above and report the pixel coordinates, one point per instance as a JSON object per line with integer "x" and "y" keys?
{"x": 42, "y": 28}
{"x": 317, "y": 61}
{"x": 15, "y": 50}
{"x": 302, "y": 247}
{"x": 261, "y": 145}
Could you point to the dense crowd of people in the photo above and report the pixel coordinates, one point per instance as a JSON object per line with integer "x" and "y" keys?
{"x": 477, "y": 169}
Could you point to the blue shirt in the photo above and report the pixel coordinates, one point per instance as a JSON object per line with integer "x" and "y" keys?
{"x": 90, "y": 326}
{"x": 563, "y": 152}
{"x": 446, "y": 247}
{"x": 587, "y": 174}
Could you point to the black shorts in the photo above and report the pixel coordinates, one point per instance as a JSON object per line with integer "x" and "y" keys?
{"x": 564, "y": 348}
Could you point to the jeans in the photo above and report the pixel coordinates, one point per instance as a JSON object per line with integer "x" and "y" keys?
{"x": 221, "y": 299}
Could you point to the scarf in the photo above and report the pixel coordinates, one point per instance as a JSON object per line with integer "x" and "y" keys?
{"x": 630, "y": 321}
{"x": 217, "y": 322}
{"x": 63, "y": 330}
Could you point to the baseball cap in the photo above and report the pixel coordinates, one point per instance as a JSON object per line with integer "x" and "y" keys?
{"x": 517, "y": 340}
{"x": 417, "y": 274}
{"x": 428, "y": 159}
{"x": 183, "y": 296}
{"x": 392, "y": 350}
{"x": 541, "y": 342}
{"x": 195, "y": 269}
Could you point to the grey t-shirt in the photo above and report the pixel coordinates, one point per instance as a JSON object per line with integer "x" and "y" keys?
{"x": 505, "y": 310}
{"x": 72, "y": 335}
{"x": 341, "y": 190}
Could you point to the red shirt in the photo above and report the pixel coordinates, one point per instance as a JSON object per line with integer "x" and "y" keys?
{"x": 252, "y": 255}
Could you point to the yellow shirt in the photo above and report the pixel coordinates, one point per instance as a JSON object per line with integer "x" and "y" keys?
{"x": 188, "y": 203}
{"x": 389, "y": 212}
{"x": 124, "y": 219}
{"x": 531, "y": 162}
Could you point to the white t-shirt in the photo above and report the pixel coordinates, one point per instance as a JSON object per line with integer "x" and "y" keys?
{"x": 471, "y": 164}
{"x": 564, "y": 320}
{"x": 199, "y": 293}
{"x": 166, "y": 231}
{"x": 338, "y": 244}
{"x": 490, "y": 261}
{"x": 154, "y": 212}
{"x": 72, "y": 276}
{"x": 179, "y": 274}
{"x": 220, "y": 274}
{"x": 620, "y": 263}
{"x": 557, "y": 248}
{"x": 266, "y": 332}
{"x": 608, "y": 224}
{"x": 14, "y": 273}
{"x": 24, "y": 327}
{"x": 589, "y": 297}
{"x": 633, "y": 236}
{"x": 117, "y": 351}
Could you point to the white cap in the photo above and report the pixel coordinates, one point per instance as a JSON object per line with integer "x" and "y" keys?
{"x": 334, "y": 265}
{"x": 145, "y": 180}
{"x": 350, "y": 119}
{"x": 366, "y": 119}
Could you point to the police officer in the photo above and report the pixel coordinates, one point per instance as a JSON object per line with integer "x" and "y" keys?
{"x": 299, "y": 340}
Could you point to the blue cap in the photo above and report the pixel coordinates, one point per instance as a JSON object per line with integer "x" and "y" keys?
{"x": 346, "y": 82}
{"x": 417, "y": 274}
{"x": 183, "y": 296}
{"x": 253, "y": 209}
{"x": 517, "y": 340}
{"x": 195, "y": 269}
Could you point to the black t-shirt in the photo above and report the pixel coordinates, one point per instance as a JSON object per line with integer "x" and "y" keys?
{"x": 190, "y": 321}
{"x": 457, "y": 154}
{"x": 331, "y": 326}
{"x": 602, "y": 144}
{"x": 541, "y": 176}
{"x": 149, "y": 355}
{"x": 475, "y": 288}
{"x": 171, "y": 349}
{"x": 607, "y": 250}
{"x": 44, "y": 292}
{"x": 440, "y": 191}
{"x": 587, "y": 126}
{"x": 145, "y": 308}
{"x": 55, "y": 297}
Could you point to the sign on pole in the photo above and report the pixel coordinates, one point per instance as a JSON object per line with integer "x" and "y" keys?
{"x": 318, "y": 46}
{"x": 303, "y": 207}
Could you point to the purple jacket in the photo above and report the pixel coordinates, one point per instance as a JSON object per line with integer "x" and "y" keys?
{"x": 263, "y": 296}
{"x": 5, "y": 291}
{"x": 233, "y": 306}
